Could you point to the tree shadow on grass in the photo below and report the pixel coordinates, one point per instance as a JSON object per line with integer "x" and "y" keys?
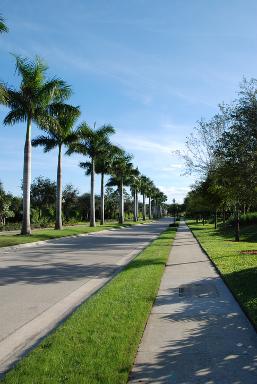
{"x": 247, "y": 233}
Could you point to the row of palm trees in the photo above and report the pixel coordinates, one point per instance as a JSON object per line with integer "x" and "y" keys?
{"x": 43, "y": 101}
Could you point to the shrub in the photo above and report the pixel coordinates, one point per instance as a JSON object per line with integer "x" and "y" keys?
{"x": 245, "y": 219}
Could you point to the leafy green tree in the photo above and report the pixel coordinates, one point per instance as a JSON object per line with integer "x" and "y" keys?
{"x": 5, "y": 205}
{"x": 57, "y": 135}
{"x": 31, "y": 103}
{"x": 111, "y": 203}
{"x": 70, "y": 201}
{"x": 92, "y": 143}
{"x": 43, "y": 192}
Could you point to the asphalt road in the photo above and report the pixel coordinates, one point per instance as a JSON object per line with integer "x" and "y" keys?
{"x": 40, "y": 284}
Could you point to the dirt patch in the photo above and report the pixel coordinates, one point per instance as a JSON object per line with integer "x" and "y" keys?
{"x": 249, "y": 252}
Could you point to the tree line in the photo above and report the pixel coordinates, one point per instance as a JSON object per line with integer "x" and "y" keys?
{"x": 222, "y": 152}
{"x": 43, "y": 101}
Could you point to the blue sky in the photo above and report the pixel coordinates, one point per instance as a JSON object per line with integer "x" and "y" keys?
{"x": 150, "y": 68}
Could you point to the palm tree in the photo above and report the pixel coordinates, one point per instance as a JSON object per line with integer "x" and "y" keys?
{"x": 155, "y": 194}
{"x": 92, "y": 143}
{"x": 31, "y": 104}
{"x": 144, "y": 189}
{"x": 103, "y": 166}
{"x": 149, "y": 192}
{"x": 58, "y": 135}
{"x": 159, "y": 199}
{"x": 121, "y": 171}
{"x": 134, "y": 187}
{"x": 3, "y": 26}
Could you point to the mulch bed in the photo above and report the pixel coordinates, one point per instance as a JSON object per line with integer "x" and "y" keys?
{"x": 249, "y": 252}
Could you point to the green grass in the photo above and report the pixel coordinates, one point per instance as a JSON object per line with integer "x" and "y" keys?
{"x": 238, "y": 270}
{"x": 98, "y": 343}
{"x": 47, "y": 234}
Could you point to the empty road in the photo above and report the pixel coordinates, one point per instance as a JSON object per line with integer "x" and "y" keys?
{"x": 41, "y": 284}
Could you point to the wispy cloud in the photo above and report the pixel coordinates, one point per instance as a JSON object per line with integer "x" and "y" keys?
{"x": 139, "y": 143}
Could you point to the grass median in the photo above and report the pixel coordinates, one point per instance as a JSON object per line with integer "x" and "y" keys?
{"x": 9, "y": 239}
{"x": 98, "y": 343}
{"x": 234, "y": 260}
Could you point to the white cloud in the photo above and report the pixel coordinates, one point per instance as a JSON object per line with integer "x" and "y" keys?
{"x": 143, "y": 144}
{"x": 173, "y": 192}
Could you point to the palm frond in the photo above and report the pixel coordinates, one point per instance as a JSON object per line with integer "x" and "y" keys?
{"x": 45, "y": 121}
{"x": 47, "y": 142}
{"x": 71, "y": 138}
{"x": 3, "y": 26}
{"x": 76, "y": 148}
{"x": 56, "y": 90}
{"x": 105, "y": 130}
{"x": 87, "y": 166}
{"x": 16, "y": 116}
{"x": 30, "y": 71}
{"x": 112, "y": 182}
{"x": 65, "y": 114}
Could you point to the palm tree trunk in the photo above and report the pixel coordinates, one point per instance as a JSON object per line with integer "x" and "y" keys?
{"x": 26, "y": 229}
{"x": 154, "y": 209}
{"x": 144, "y": 208}
{"x": 92, "y": 196}
{"x": 121, "y": 216}
{"x": 135, "y": 206}
{"x": 150, "y": 208}
{"x": 102, "y": 198}
{"x": 58, "y": 221}
{"x": 216, "y": 219}
{"x": 237, "y": 225}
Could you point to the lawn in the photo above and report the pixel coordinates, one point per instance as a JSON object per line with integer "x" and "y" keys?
{"x": 47, "y": 234}
{"x": 98, "y": 343}
{"x": 238, "y": 270}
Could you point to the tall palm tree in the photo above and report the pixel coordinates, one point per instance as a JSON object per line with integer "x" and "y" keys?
{"x": 103, "y": 167}
{"x": 155, "y": 194}
{"x": 121, "y": 171}
{"x": 3, "y": 26}
{"x": 159, "y": 199}
{"x": 92, "y": 143}
{"x": 30, "y": 103}
{"x": 58, "y": 135}
{"x": 144, "y": 189}
{"x": 149, "y": 192}
{"x": 134, "y": 187}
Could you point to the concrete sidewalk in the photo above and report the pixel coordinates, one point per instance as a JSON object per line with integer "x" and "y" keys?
{"x": 196, "y": 333}
{"x": 42, "y": 283}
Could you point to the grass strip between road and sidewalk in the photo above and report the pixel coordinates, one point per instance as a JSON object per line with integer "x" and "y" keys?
{"x": 98, "y": 343}
{"x": 10, "y": 239}
{"x": 239, "y": 270}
